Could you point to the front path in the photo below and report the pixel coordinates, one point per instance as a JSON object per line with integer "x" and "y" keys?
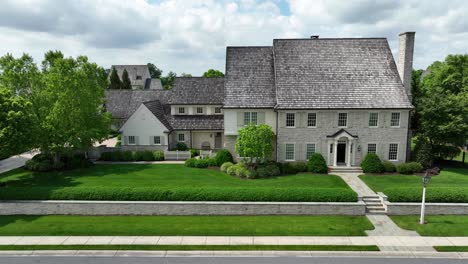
{"x": 15, "y": 162}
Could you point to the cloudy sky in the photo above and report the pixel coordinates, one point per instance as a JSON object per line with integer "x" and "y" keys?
{"x": 191, "y": 36}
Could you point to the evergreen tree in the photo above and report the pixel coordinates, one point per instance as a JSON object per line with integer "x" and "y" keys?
{"x": 115, "y": 82}
{"x": 126, "y": 84}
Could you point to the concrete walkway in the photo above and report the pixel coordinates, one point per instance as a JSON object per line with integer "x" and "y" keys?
{"x": 405, "y": 243}
{"x": 16, "y": 161}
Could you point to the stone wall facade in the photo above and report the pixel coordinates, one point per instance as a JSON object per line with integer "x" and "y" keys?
{"x": 177, "y": 208}
{"x": 431, "y": 208}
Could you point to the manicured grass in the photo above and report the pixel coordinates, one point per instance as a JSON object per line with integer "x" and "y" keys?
{"x": 169, "y": 182}
{"x": 194, "y": 247}
{"x": 451, "y": 248}
{"x": 184, "y": 225}
{"x": 437, "y": 225}
{"x": 451, "y": 185}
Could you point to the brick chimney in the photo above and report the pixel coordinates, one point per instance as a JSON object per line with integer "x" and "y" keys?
{"x": 405, "y": 59}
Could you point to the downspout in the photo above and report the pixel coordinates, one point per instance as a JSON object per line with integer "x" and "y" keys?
{"x": 191, "y": 139}
{"x": 277, "y": 149}
{"x": 408, "y": 138}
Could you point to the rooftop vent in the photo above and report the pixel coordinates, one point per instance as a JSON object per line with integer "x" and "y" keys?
{"x": 314, "y": 36}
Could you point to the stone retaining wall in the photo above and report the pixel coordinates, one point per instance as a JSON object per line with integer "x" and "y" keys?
{"x": 431, "y": 208}
{"x": 177, "y": 208}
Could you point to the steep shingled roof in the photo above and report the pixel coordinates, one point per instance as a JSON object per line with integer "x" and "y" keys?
{"x": 249, "y": 80}
{"x": 337, "y": 73}
{"x": 122, "y": 103}
{"x": 198, "y": 90}
{"x": 133, "y": 72}
{"x": 158, "y": 111}
{"x": 196, "y": 122}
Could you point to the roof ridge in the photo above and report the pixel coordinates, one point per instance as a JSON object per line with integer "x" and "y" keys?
{"x": 315, "y": 39}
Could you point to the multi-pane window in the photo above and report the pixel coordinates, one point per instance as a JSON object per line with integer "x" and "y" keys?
{"x": 373, "y": 119}
{"x": 289, "y": 152}
{"x": 331, "y": 148}
{"x": 138, "y": 77}
{"x": 290, "y": 119}
{"x": 311, "y": 119}
{"x": 157, "y": 140}
{"x": 217, "y": 110}
{"x": 199, "y": 110}
{"x": 393, "y": 152}
{"x": 181, "y": 110}
{"x": 181, "y": 137}
{"x": 372, "y": 148}
{"x": 395, "y": 120}
{"x": 342, "y": 119}
{"x": 131, "y": 140}
{"x": 310, "y": 149}
{"x": 250, "y": 118}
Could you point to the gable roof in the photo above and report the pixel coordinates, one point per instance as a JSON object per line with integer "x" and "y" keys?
{"x": 158, "y": 111}
{"x": 198, "y": 90}
{"x": 337, "y": 73}
{"x": 122, "y": 103}
{"x": 196, "y": 122}
{"x": 133, "y": 72}
{"x": 249, "y": 80}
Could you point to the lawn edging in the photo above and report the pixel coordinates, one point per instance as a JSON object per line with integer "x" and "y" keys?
{"x": 430, "y": 208}
{"x": 74, "y": 207}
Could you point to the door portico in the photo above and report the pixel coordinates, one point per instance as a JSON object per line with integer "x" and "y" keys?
{"x": 341, "y": 145}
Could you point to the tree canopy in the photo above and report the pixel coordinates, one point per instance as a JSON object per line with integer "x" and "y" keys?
{"x": 213, "y": 73}
{"x": 155, "y": 72}
{"x": 65, "y": 99}
{"x": 255, "y": 143}
{"x": 442, "y": 103}
{"x": 168, "y": 80}
{"x": 17, "y": 124}
{"x": 126, "y": 83}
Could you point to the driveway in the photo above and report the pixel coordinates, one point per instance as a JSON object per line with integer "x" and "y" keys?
{"x": 16, "y": 161}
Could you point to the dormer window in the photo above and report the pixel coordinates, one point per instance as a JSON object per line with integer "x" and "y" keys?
{"x": 138, "y": 77}
{"x": 181, "y": 110}
{"x": 217, "y": 110}
{"x": 199, "y": 110}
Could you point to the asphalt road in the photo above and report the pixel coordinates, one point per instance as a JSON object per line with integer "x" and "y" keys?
{"x": 222, "y": 260}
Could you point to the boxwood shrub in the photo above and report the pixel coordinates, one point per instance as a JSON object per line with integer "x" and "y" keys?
{"x": 294, "y": 167}
{"x": 180, "y": 194}
{"x": 158, "y": 155}
{"x": 409, "y": 167}
{"x": 222, "y": 156}
{"x": 317, "y": 164}
{"x": 372, "y": 164}
{"x": 433, "y": 194}
{"x": 197, "y": 163}
{"x": 268, "y": 170}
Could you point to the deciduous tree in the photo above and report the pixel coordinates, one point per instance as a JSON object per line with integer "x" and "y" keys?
{"x": 255, "y": 143}
{"x": 213, "y": 73}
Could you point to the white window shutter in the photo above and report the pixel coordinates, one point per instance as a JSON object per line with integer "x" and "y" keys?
{"x": 151, "y": 140}
{"x": 282, "y": 120}
{"x": 137, "y": 140}
{"x": 124, "y": 140}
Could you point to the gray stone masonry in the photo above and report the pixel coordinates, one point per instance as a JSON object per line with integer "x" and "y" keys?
{"x": 177, "y": 208}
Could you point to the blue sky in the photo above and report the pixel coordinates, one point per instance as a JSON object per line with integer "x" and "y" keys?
{"x": 191, "y": 36}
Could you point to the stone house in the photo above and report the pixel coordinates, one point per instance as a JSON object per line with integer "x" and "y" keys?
{"x": 340, "y": 97}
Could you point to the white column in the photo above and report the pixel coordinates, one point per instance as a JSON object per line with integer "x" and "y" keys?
{"x": 348, "y": 164}
{"x": 335, "y": 149}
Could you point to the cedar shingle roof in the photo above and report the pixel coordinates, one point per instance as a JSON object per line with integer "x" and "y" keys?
{"x": 249, "y": 80}
{"x": 133, "y": 72}
{"x": 158, "y": 111}
{"x": 198, "y": 90}
{"x": 337, "y": 73}
{"x": 196, "y": 122}
{"x": 122, "y": 103}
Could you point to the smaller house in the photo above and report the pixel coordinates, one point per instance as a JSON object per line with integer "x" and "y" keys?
{"x": 139, "y": 76}
{"x": 191, "y": 114}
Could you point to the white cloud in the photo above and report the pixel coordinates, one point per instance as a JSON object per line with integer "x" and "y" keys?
{"x": 191, "y": 36}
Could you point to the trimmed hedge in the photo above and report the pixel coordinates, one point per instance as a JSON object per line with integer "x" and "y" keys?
{"x": 294, "y": 167}
{"x": 409, "y": 167}
{"x": 180, "y": 194}
{"x": 389, "y": 166}
{"x": 158, "y": 155}
{"x": 197, "y": 163}
{"x": 269, "y": 170}
{"x": 145, "y": 155}
{"x": 372, "y": 164}
{"x": 433, "y": 195}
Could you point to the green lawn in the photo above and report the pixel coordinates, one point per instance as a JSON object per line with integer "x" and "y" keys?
{"x": 184, "y": 225}
{"x": 449, "y": 177}
{"x": 194, "y": 247}
{"x": 437, "y": 225}
{"x": 169, "y": 182}
{"x": 451, "y": 248}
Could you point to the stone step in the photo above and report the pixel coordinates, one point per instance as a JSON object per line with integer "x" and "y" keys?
{"x": 373, "y": 203}
{"x": 372, "y": 200}
{"x": 376, "y": 208}
{"x": 376, "y": 212}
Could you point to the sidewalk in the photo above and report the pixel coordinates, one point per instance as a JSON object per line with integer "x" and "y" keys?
{"x": 405, "y": 243}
